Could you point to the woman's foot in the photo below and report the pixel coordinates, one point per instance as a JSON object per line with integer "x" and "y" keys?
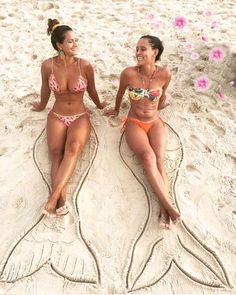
{"x": 50, "y": 208}
{"x": 164, "y": 219}
{"x": 174, "y": 215}
{"x": 62, "y": 207}
{"x": 177, "y": 220}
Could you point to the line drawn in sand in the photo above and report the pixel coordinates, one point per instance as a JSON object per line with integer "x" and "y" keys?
{"x": 180, "y": 248}
{"x": 57, "y": 242}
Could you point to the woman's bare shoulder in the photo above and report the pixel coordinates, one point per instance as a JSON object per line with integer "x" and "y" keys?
{"x": 47, "y": 64}
{"x": 84, "y": 63}
{"x": 129, "y": 71}
{"x": 165, "y": 72}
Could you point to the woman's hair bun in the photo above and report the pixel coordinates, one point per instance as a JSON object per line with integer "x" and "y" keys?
{"x": 51, "y": 24}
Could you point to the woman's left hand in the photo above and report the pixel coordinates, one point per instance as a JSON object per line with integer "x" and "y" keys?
{"x": 103, "y": 104}
{"x": 162, "y": 106}
{"x": 36, "y": 106}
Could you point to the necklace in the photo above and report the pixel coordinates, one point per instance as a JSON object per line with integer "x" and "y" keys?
{"x": 149, "y": 79}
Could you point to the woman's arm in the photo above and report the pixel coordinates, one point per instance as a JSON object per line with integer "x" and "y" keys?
{"x": 45, "y": 91}
{"x": 120, "y": 93}
{"x": 162, "y": 102}
{"x": 91, "y": 87}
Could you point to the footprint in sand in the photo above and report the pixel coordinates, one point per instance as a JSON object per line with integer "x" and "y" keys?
{"x": 58, "y": 242}
{"x": 3, "y": 150}
{"x": 198, "y": 143}
{"x": 219, "y": 130}
{"x": 154, "y": 251}
{"x": 44, "y": 6}
{"x": 194, "y": 107}
{"x": 194, "y": 175}
{"x": 231, "y": 163}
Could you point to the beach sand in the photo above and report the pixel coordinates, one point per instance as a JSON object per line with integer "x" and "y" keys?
{"x": 111, "y": 242}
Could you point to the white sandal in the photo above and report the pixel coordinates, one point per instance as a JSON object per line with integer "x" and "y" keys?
{"x": 63, "y": 210}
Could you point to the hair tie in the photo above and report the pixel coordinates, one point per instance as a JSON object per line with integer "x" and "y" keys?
{"x": 55, "y": 26}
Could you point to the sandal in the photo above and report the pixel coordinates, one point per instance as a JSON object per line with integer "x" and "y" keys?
{"x": 63, "y": 210}
{"x": 177, "y": 220}
{"x": 48, "y": 214}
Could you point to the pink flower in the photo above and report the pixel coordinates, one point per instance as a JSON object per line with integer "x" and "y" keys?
{"x": 217, "y": 54}
{"x": 151, "y": 16}
{"x": 213, "y": 24}
{"x": 205, "y": 38}
{"x": 189, "y": 46}
{"x": 194, "y": 55}
{"x": 155, "y": 25}
{"x": 207, "y": 12}
{"x": 231, "y": 83}
{"x": 202, "y": 83}
{"x": 179, "y": 22}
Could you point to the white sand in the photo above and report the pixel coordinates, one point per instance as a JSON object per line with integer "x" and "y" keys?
{"x": 111, "y": 242}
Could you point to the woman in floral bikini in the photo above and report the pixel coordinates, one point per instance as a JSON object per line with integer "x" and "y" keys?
{"x": 144, "y": 129}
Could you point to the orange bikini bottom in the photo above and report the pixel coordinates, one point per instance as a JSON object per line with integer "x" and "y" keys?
{"x": 146, "y": 126}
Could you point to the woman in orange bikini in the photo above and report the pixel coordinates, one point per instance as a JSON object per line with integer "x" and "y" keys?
{"x": 144, "y": 128}
{"x": 68, "y": 124}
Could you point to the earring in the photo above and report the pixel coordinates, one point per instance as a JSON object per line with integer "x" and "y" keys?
{"x": 61, "y": 54}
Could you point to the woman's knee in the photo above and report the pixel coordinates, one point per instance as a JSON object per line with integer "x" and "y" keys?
{"x": 74, "y": 148}
{"x": 148, "y": 158}
{"x": 56, "y": 153}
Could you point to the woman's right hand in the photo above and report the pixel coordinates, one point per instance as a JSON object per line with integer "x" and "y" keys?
{"x": 36, "y": 106}
{"x": 110, "y": 113}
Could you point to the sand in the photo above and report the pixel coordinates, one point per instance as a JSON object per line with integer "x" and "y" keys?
{"x": 111, "y": 242}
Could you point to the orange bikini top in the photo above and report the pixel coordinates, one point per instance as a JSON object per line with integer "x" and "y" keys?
{"x": 80, "y": 86}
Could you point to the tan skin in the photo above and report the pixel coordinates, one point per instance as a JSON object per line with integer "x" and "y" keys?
{"x": 65, "y": 144}
{"x": 149, "y": 147}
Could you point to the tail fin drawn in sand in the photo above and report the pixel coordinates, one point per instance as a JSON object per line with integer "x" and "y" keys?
{"x": 55, "y": 242}
{"x": 180, "y": 248}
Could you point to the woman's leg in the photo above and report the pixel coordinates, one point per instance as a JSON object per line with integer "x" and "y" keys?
{"x": 138, "y": 141}
{"x": 157, "y": 139}
{"x": 77, "y": 136}
{"x": 56, "y": 138}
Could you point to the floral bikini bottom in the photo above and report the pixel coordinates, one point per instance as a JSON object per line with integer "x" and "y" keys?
{"x": 68, "y": 120}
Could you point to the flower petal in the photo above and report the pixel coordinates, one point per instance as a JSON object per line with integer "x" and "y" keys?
{"x": 217, "y": 54}
{"x": 202, "y": 83}
{"x": 179, "y": 22}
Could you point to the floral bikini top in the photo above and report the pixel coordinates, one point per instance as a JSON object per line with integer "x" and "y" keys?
{"x": 80, "y": 86}
{"x": 139, "y": 93}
